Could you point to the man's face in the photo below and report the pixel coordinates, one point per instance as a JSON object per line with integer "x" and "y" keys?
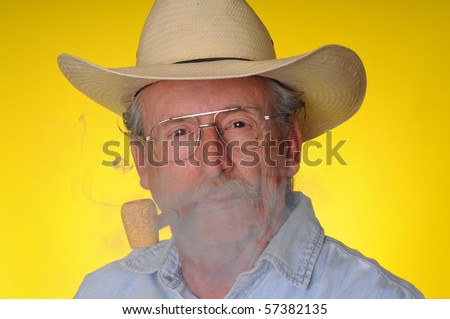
{"x": 219, "y": 201}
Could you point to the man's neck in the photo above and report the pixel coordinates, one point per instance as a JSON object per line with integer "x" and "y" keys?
{"x": 211, "y": 269}
{"x": 211, "y": 272}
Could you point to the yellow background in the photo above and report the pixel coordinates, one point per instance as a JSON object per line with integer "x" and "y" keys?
{"x": 60, "y": 209}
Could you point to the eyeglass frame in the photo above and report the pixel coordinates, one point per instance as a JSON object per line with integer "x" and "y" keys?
{"x": 218, "y": 130}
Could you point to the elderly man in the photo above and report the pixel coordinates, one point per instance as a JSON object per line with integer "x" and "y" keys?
{"x": 222, "y": 122}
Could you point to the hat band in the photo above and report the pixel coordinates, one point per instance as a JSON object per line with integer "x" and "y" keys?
{"x": 209, "y": 60}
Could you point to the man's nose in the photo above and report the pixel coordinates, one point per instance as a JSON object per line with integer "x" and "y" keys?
{"x": 212, "y": 152}
{"x": 209, "y": 136}
{"x": 208, "y": 128}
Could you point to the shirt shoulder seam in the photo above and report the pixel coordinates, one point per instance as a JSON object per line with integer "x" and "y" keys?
{"x": 373, "y": 264}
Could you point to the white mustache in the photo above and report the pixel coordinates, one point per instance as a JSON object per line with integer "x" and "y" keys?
{"x": 222, "y": 187}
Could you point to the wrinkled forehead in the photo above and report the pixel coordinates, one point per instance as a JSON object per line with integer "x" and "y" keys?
{"x": 167, "y": 99}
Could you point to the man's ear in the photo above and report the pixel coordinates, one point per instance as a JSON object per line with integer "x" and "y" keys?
{"x": 294, "y": 147}
{"x": 138, "y": 150}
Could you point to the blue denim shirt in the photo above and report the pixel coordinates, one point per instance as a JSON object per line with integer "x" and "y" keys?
{"x": 299, "y": 262}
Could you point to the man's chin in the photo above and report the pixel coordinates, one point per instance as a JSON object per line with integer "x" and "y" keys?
{"x": 212, "y": 231}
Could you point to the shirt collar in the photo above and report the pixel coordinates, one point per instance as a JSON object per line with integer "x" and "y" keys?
{"x": 148, "y": 260}
{"x": 294, "y": 249}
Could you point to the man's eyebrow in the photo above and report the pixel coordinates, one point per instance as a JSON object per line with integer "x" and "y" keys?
{"x": 181, "y": 116}
{"x": 231, "y": 106}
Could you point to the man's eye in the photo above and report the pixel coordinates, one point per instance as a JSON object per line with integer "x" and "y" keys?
{"x": 179, "y": 132}
{"x": 239, "y": 124}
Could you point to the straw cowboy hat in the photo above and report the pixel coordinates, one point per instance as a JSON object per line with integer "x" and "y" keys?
{"x": 222, "y": 39}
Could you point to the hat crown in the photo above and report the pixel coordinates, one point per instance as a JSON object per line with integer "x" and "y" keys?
{"x": 177, "y": 31}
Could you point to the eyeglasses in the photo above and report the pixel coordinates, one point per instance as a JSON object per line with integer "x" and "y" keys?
{"x": 176, "y": 139}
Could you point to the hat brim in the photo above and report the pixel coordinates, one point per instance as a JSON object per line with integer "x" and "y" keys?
{"x": 332, "y": 79}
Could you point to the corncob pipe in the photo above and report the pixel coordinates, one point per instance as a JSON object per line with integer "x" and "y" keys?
{"x": 142, "y": 223}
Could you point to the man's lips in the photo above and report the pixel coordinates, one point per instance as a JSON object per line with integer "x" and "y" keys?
{"x": 218, "y": 201}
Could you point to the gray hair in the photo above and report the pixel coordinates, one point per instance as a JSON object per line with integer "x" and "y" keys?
{"x": 133, "y": 119}
{"x": 288, "y": 101}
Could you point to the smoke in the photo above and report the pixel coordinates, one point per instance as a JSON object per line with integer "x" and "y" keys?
{"x": 224, "y": 187}
{"x": 218, "y": 241}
